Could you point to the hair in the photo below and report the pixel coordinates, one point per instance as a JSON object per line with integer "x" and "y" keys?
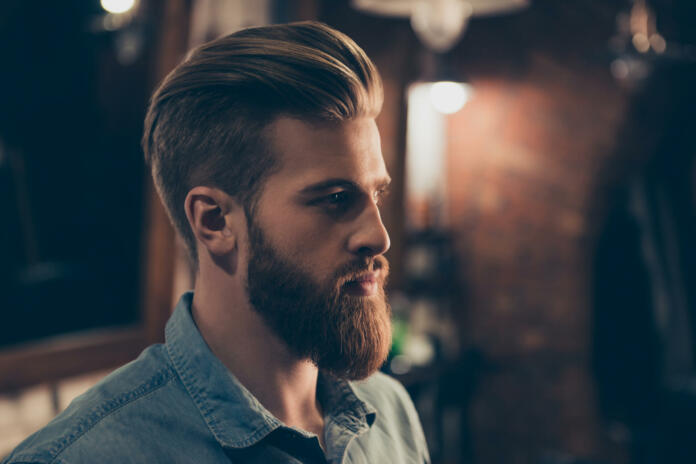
{"x": 206, "y": 120}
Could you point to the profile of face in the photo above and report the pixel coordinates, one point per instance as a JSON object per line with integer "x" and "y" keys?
{"x": 315, "y": 269}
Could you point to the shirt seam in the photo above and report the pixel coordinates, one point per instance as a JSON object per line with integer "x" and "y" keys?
{"x": 113, "y": 411}
{"x": 100, "y": 412}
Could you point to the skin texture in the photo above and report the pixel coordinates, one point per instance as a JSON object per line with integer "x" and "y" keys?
{"x": 319, "y": 215}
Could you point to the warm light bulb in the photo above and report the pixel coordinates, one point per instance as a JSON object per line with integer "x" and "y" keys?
{"x": 449, "y": 97}
{"x": 117, "y": 6}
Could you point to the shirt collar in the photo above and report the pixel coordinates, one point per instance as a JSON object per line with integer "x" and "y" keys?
{"x": 231, "y": 412}
{"x": 339, "y": 400}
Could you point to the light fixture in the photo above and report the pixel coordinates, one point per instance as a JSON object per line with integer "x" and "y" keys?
{"x": 428, "y": 107}
{"x": 449, "y": 97}
{"x": 117, "y": 6}
{"x": 439, "y": 23}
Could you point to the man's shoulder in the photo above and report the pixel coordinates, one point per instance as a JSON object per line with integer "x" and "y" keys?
{"x": 110, "y": 410}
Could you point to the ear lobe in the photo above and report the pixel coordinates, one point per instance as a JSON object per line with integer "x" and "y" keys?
{"x": 206, "y": 209}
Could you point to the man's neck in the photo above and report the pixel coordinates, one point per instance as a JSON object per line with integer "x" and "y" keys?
{"x": 237, "y": 335}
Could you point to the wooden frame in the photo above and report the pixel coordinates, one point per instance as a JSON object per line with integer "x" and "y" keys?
{"x": 53, "y": 359}
{"x": 50, "y": 360}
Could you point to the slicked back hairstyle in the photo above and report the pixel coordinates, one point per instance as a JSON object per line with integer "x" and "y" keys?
{"x": 205, "y": 123}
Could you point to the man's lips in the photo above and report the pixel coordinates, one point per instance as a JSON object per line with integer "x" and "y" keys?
{"x": 365, "y": 284}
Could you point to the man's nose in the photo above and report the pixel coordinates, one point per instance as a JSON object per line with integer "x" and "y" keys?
{"x": 370, "y": 238}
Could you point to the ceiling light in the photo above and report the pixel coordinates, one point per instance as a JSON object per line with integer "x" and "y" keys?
{"x": 117, "y": 6}
{"x": 439, "y": 23}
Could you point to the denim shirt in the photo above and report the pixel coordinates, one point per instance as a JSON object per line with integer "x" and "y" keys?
{"x": 177, "y": 403}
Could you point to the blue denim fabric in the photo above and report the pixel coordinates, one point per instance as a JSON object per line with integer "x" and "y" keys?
{"x": 177, "y": 403}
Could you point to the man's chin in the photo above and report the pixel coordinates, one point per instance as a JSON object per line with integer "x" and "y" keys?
{"x": 361, "y": 352}
{"x": 361, "y": 370}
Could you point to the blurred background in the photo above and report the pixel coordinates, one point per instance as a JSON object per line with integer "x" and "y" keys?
{"x": 542, "y": 216}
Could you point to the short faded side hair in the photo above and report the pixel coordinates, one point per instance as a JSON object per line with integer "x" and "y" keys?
{"x": 206, "y": 120}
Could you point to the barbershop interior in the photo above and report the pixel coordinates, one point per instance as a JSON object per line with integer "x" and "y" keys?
{"x": 542, "y": 212}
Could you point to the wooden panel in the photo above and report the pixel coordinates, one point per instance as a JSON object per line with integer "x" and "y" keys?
{"x": 160, "y": 238}
{"x": 55, "y": 358}
{"x": 158, "y": 262}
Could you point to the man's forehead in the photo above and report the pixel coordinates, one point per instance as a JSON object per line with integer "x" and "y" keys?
{"x": 321, "y": 154}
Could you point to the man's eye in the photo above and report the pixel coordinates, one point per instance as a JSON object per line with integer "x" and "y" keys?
{"x": 337, "y": 199}
{"x": 337, "y": 202}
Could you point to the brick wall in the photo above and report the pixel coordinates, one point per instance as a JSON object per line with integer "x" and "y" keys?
{"x": 523, "y": 155}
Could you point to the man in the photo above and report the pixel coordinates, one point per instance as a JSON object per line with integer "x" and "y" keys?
{"x": 264, "y": 149}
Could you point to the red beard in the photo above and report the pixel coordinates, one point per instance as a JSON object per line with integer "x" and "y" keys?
{"x": 348, "y": 336}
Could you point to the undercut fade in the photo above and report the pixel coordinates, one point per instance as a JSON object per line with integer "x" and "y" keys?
{"x": 205, "y": 123}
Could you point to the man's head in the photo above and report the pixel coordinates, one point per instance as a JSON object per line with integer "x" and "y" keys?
{"x": 206, "y": 121}
{"x": 264, "y": 149}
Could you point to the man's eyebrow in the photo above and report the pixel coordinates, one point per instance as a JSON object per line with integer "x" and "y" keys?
{"x": 338, "y": 182}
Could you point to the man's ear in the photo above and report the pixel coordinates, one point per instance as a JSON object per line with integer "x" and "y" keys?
{"x": 211, "y": 214}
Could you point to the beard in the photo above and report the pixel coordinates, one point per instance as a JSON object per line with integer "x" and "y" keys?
{"x": 346, "y": 335}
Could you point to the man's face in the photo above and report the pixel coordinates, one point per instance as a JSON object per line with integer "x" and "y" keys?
{"x": 316, "y": 239}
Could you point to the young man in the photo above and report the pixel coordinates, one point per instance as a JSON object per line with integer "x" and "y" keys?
{"x": 264, "y": 149}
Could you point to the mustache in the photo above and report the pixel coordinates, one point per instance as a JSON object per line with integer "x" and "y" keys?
{"x": 354, "y": 269}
